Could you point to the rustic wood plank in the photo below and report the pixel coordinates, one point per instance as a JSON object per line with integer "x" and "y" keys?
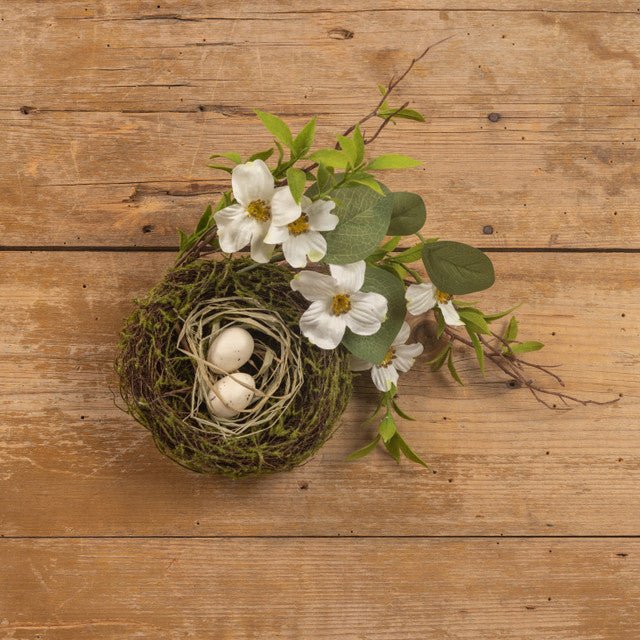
{"x": 109, "y": 112}
{"x": 345, "y": 589}
{"x": 73, "y": 464}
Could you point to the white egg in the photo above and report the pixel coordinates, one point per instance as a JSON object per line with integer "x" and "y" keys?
{"x": 236, "y": 397}
{"x": 231, "y": 349}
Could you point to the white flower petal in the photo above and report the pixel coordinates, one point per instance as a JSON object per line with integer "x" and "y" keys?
{"x": 450, "y": 314}
{"x": 384, "y": 377}
{"x": 320, "y": 216}
{"x": 358, "y": 364}
{"x": 314, "y": 286}
{"x": 260, "y": 250}
{"x": 295, "y": 250}
{"x": 252, "y": 181}
{"x": 321, "y": 327}
{"x": 284, "y": 208}
{"x": 276, "y": 235}
{"x": 350, "y": 277}
{"x": 316, "y": 246}
{"x": 403, "y": 334}
{"x": 406, "y": 355}
{"x": 368, "y": 311}
{"x": 420, "y": 298}
{"x": 235, "y": 228}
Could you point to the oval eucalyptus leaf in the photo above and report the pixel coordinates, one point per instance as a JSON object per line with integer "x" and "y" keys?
{"x": 408, "y": 215}
{"x": 374, "y": 348}
{"x": 457, "y": 268}
{"x": 364, "y": 219}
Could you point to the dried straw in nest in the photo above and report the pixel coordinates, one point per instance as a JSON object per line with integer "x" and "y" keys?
{"x": 302, "y": 390}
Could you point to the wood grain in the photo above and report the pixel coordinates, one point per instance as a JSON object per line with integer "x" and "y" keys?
{"x": 72, "y": 464}
{"x": 110, "y": 111}
{"x": 306, "y": 589}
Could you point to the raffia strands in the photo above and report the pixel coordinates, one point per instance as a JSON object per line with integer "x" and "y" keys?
{"x": 276, "y": 365}
{"x": 160, "y": 356}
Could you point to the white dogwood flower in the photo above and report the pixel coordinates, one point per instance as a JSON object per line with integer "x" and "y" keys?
{"x": 399, "y": 357}
{"x": 258, "y": 205}
{"x": 301, "y": 239}
{"x": 338, "y": 303}
{"x": 422, "y": 297}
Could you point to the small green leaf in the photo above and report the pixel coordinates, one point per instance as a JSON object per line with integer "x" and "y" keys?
{"x": 393, "y": 447}
{"x": 412, "y": 254}
{"x": 393, "y": 161}
{"x": 296, "y": 179}
{"x": 348, "y": 145}
{"x": 452, "y": 369}
{"x": 492, "y": 317}
{"x": 457, "y": 268}
{"x": 442, "y": 325}
{"x": 204, "y": 221}
{"x": 231, "y": 155}
{"x": 474, "y": 320}
{"x": 276, "y": 127}
{"x": 280, "y": 153}
{"x": 304, "y": 139}
{"x": 262, "y": 155}
{"x": 184, "y": 240}
{"x": 220, "y": 167}
{"x": 477, "y": 345}
{"x": 511, "y": 332}
{"x": 409, "y": 454}
{"x": 365, "y": 451}
{"x": 224, "y": 201}
{"x": 408, "y": 215}
{"x": 400, "y": 412}
{"x": 437, "y": 362}
{"x": 331, "y": 158}
{"x": 359, "y": 142}
{"x": 368, "y": 181}
{"x": 391, "y": 244}
{"x": 526, "y": 347}
{"x": 387, "y": 428}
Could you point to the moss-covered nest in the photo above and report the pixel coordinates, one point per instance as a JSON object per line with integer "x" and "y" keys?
{"x": 158, "y": 375}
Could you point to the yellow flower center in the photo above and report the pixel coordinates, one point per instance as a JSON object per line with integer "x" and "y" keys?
{"x": 443, "y": 297}
{"x": 340, "y": 304}
{"x": 259, "y": 210}
{"x": 386, "y": 361}
{"x": 301, "y": 225}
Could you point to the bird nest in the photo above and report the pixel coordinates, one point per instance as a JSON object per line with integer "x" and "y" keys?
{"x": 165, "y": 378}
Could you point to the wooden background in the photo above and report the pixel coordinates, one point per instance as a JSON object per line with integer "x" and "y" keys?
{"x": 528, "y": 525}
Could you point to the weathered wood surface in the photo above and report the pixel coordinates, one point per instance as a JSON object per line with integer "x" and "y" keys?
{"x": 71, "y": 463}
{"x": 307, "y": 589}
{"x": 109, "y": 111}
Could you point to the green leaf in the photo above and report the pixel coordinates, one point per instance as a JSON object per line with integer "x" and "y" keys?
{"x": 364, "y": 219}
{"x": 359, "y": 142}
{"x": 457, "y": 268}
{"x": 276, "y": 127}
{"x": 262, "y": 155}
{"x": 442, "y": 325}
{"x": 348, "y": 145}
{"x": 296, "y": 179}
{"x": 412, "y": 254}
{"x": 452, "y": 369}
{"x": 437, "y": 362}
{"x": 408, "y": 214}
{"x": 224, "y": 201}
{"x": 231, "y": 155}
{"x": 511, "y": 332}
{"x": 404, "y": 114}
{"x": 368, "y": 181}
{"x": 365, "y": 451}
{"x": 491, "y": 317}
{"x": 393, "y": 447}
{"x": 374, "y": 348}
{"x": 220, "y": 167}
{"x": 387, "y": 427}
{"x": 184, "y": 240}
{"x": 391, "y": 244}
{"x": 204, "y": 221}
{"x": 400, "y": 412}
{"x": 526, "y": 347}
{"x": 474, "y": 320}
{"x": 477, "y": 345}
{"x": 331, "y": 158}
{"x": 280, "y": 153}
{"x": 409, "y": 454}
{"x": 304, "y": 139}
{"x": 393, "y": 161}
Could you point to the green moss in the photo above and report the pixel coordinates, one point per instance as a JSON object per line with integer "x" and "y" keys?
{"x": 156, "y": 379}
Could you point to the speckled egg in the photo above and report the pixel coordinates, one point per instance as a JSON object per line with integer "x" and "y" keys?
{"x": 231, "y": 349}
{"x": 229, "y": 395}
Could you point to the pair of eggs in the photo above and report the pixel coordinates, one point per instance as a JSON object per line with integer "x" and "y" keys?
{"x": 232, "y": 348}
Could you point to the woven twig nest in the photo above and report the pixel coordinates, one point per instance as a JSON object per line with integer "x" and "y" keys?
{"x": 165, "y": 378}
